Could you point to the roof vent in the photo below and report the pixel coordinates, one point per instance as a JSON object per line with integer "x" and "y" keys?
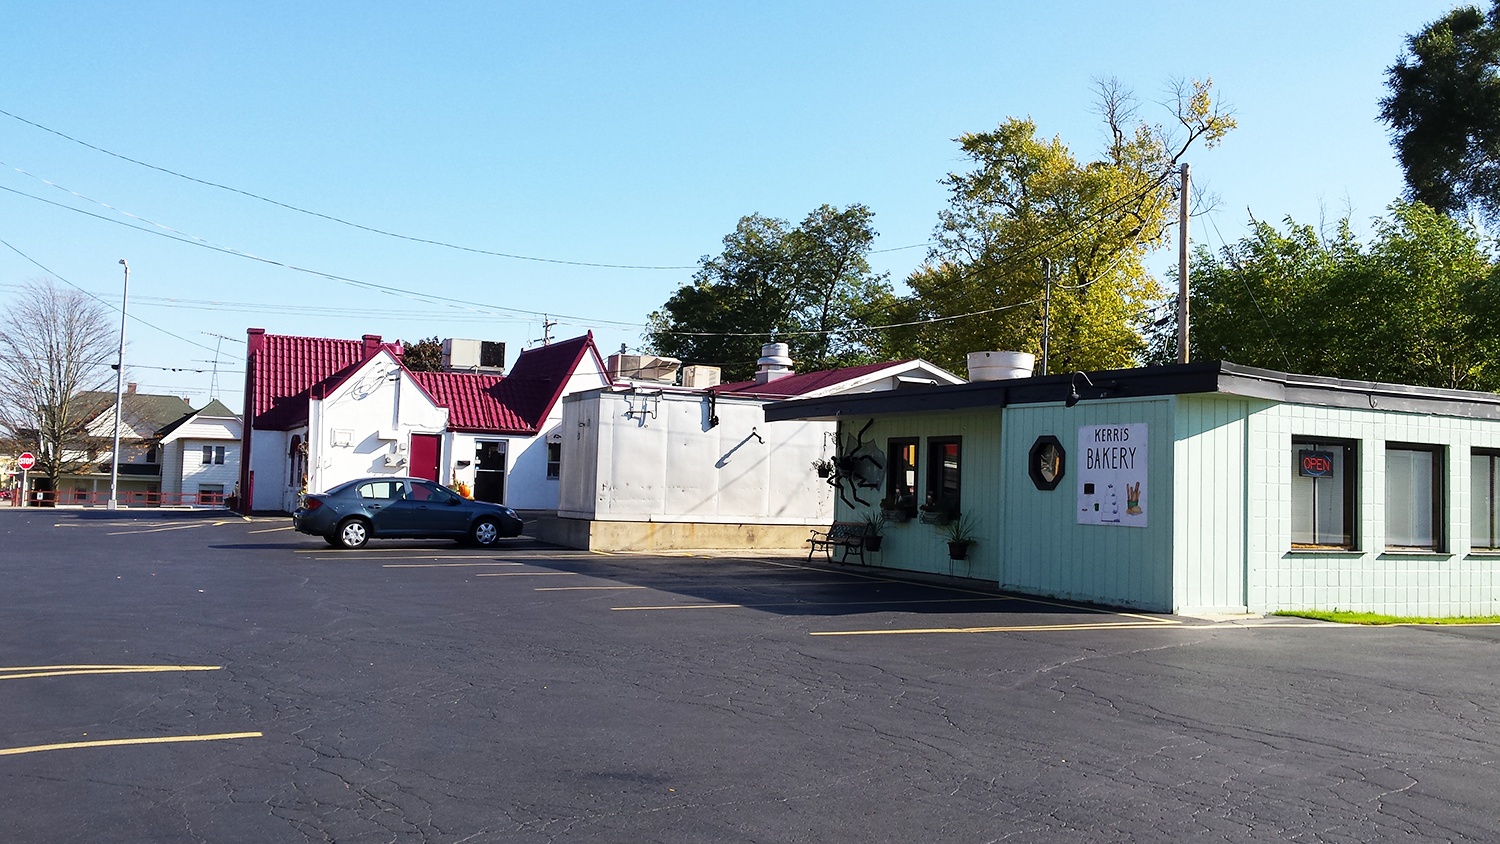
{"x": 774, "y": 363}
{"x": 999, "y": 366}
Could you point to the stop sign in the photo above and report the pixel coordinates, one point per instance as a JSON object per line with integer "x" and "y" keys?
{"x": 26, "y": 461}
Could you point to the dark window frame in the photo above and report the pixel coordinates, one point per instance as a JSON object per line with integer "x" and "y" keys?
{"x": 1350, "y": 490}
{"x": 895, "y": 449}
{"x": 1439, "y": 496}
{"x": 1492, "y": 524}
{"x": 937, "y": 489}
{"x": 554, "y": 461}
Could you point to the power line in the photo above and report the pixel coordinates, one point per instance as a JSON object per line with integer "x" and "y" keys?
{"x": 109, "y": 305}
{"x": 338, "y": 220}
{"x": 182, "y": 237}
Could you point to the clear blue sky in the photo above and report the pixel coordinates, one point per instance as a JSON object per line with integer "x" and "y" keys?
{"x": 602, "y": 133}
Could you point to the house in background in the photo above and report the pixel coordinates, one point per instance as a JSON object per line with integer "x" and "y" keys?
{"x": 200, "y": 455}
{"x": 154, "y": 468}
{"x": 322, "y": 411}
{"x": 649, "y": 465}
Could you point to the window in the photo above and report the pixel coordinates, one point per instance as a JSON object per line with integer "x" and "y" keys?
{"x": 427, "y": 491}
{"x": 1484, "y": 519}
{"x": 1323, "y": 475}
{"x": 1414, "y": 496}
{"x": 213, "y": 454}
{"x": 211, "y": 494}
{"x": 901, "y": 476}
{"x": 381, "y": 490}
{"x": 151, "y": 454}
{"x": 943, "y": 473}
{"x": 554, "y": 460}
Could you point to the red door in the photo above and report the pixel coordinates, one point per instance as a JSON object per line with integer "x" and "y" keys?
{"x": 425, "y": 449}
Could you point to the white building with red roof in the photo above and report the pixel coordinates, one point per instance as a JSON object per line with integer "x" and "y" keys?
{"x": 654, "y": 466}
{"x": 322, "y": 411}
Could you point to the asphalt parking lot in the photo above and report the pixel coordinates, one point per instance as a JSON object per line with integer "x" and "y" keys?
{"x": 187, "y": 677}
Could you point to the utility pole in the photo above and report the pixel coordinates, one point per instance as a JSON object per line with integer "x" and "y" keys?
{"x": 1182, "y": 269}
{"x": 1046, "y": 313}
{"x": 114, "y": 460}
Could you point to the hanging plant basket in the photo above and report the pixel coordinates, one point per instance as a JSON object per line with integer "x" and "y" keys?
{"x": 958, "y": 550}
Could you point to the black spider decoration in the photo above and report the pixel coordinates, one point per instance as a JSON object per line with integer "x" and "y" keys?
{"x": 847, "y": 465}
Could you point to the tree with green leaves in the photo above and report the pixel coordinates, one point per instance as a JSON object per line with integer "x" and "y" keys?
{"x": 1026, "y": 199}
{"x": 1444, "y": 112}
{"x": 423, "y": 355}
{"x": 1419, "y": 305}
{"x": 810, "y": 286}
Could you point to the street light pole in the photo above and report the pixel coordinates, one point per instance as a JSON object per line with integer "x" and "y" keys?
{"x": 114, "y": 461}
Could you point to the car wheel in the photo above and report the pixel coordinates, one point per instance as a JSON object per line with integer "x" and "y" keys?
{"x": 353, "y": 533}
{"x": 485, "y": 532}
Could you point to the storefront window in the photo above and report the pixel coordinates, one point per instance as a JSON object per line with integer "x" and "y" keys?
{"x": 943, "y": 462}
{"x": 1484, "y": 517}
{"x": 1414, "y": 496}
{"x": 1323, "y": 475}
{"x": 901, "y": 476}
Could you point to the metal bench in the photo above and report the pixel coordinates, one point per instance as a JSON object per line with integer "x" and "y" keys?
{"x": 849, "y": 536}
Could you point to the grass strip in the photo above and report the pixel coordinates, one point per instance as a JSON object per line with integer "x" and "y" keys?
{"x": 1348, "y": 617}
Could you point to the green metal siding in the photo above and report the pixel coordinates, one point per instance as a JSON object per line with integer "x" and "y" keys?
{"x": 1046, "y": 551}
{"x": 1211, "y": 480}
{"x": 913, "y": 546}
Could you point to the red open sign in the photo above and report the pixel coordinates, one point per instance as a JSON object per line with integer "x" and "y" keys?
{"x": 1315, "y": 464}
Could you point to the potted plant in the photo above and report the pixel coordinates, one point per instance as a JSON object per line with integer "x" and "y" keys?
{"x": 824, "y": 467}
{"x": 940, "y": 511}
{"x": 874, "y": 525}
{"x": 894, "y": 509}
{"x": 960, "y": 535}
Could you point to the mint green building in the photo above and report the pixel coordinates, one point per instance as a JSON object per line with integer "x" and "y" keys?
{"x": 1194, "y": 488}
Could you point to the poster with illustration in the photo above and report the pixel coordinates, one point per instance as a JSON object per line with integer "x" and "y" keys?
{"x": 1112, "y": 475}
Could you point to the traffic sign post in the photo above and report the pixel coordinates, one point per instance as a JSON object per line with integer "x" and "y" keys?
{"x": 26, "y": 461}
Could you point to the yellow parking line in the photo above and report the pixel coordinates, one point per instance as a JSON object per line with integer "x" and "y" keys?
{"x": 527, "y": 574}
{"x": 29, "y": 671}
{"x": 809, "y": 604}
{"x": 684, "y": 607}
{"x": 73, "y": 745}
{"x": 438, "y": 565}
{"x": 1018, "y": 628}
{"x": 354, "y": 556}
{"x": 267, "y": 530}
{"x": 582, "y": 588}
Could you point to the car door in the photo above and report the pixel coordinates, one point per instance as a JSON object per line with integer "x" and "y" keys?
{"x": 381, "y": 500}
{"x": 433, "y": 511}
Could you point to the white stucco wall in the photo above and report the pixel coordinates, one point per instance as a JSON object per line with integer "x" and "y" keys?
{"x": 371, "y": 415}
{"x": 649, "y": 456}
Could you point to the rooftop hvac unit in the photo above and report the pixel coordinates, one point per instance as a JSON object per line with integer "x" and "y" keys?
{"x": 473, "y": 355}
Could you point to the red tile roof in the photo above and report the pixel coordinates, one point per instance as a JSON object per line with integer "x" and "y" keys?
{"x": 474, "y": 401}
{"x": 282, "y": 371}
{"x": 791, "y": 386}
